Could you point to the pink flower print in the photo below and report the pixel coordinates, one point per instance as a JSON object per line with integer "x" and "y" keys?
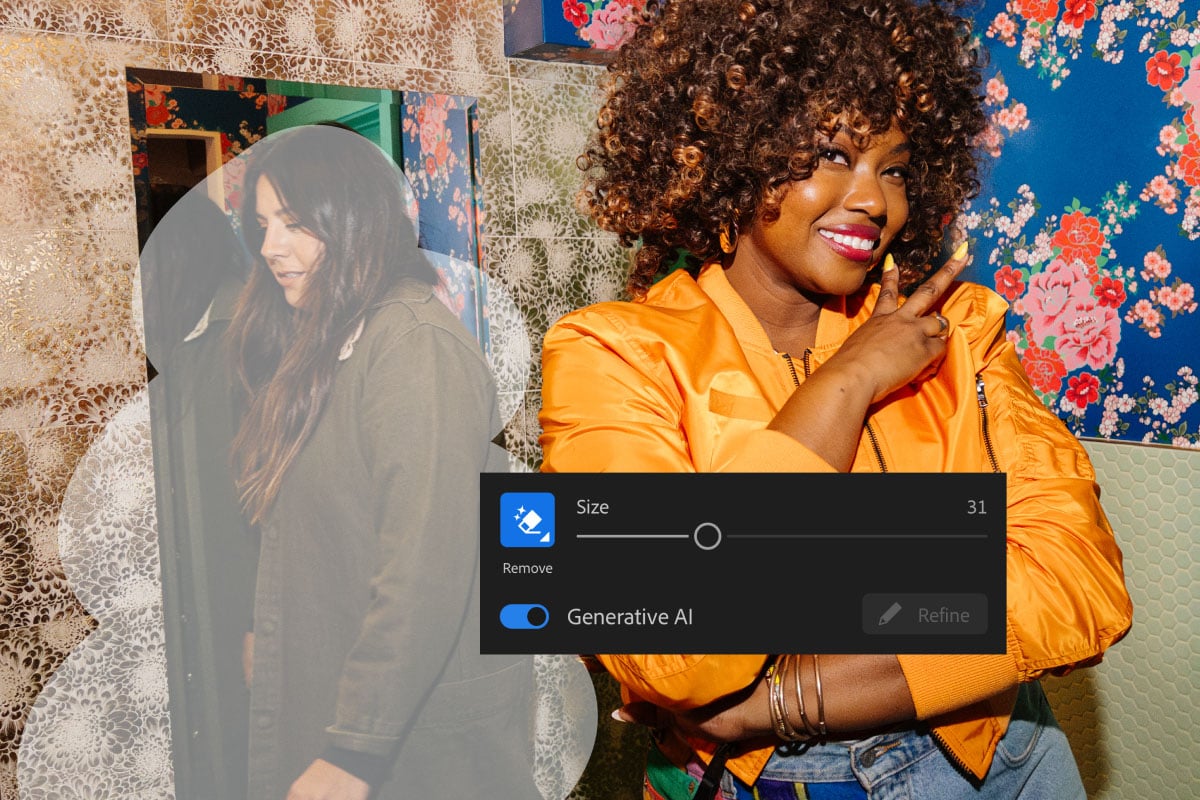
{"x": 997, "y": 91}
{"x": 1052, "y": 292}
{"x": 1156, "y": 267}
{"x": 432, "y": 119}
{"x": 1013, "y": 119}
{"x": 1003, "y": 28}
{"x": 991, "y": 140}
{"x": 1177, "y": 299}
{"x": 611, "y": 25}
{"x": 1187, "y": 296}
{"x": 1191, "y": 87}
{"x": 1161, "y": 189}
{"x": 1166, "y": 140}
{"x": 1092, "y": 334}
{"x": 1145, "y": 314}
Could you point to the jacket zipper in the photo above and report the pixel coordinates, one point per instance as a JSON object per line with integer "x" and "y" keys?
{"x": 983, "y": 415}
{"x": 807, "y": 374}
{"x": 949, "y": 753}
{"x": 792, "y": 367}
{"x": 981, "y": 396}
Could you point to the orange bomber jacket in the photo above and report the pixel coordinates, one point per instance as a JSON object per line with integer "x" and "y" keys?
{"x": 686, "y": 380}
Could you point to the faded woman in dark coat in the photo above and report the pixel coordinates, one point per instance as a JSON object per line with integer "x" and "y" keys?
{"x": 370, "y": 414}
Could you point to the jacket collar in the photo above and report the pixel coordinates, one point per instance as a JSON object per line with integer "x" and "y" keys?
{"x": 221, "y": 308}
{"x": 840, "y": 316}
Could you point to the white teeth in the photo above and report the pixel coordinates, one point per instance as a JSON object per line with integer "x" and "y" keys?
{"x": 850, "y": 241}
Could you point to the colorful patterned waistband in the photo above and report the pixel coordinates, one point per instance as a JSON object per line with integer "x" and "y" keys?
{"x": 666, "y": 781}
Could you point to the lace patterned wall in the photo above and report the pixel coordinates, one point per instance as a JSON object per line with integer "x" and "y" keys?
{"x": 69, "y": 354}
{"x": 70, "y": 360}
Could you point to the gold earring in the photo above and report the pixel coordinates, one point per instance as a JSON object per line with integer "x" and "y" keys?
{"x": 728, "y": 245}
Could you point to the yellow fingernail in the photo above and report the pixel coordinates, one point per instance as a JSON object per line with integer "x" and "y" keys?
{"x": 960, "y": 252}
{"x": 889, "y": 263}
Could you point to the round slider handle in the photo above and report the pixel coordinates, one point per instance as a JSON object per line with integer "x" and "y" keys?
{"x": 707, "y": 536}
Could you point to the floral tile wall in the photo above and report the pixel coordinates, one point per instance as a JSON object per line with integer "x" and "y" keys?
{"x": 1089, "y": 224}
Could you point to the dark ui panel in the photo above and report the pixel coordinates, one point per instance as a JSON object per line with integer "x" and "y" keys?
{"x": 743, "y": 563}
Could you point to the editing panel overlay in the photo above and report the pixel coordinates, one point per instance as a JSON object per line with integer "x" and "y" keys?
{"x": 742, "y": 563}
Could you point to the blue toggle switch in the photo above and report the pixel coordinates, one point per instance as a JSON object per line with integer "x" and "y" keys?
{"x": 524, "y": 616}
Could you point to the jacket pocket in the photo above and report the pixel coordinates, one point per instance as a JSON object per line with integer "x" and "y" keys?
{"x": 739, "y": 406}
{"x": 1029, "y": 716}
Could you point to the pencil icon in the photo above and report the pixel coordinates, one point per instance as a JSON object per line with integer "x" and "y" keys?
{"x": 888, "y": 615}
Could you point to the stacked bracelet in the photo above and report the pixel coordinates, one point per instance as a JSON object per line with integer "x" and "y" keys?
{"x": 777, "y": 682}
{"x": 777, "y": 699}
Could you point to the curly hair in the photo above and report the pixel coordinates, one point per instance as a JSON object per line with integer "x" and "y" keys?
{"x": 714, "y": 107}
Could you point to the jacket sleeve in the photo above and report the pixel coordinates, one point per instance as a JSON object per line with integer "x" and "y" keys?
{"x": 425, "y": 424}
{"x": 1067, "y": 601}
{"x": 610, "y": 403}
{"x": 682, "y": 682}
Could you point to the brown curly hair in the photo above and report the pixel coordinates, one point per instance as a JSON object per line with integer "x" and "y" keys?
{"x": 714, "y": 107}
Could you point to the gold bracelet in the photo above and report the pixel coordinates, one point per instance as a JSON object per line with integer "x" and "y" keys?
{"x": 822, "y": 730}
{"x": 804, "y": 723}
{"x": 784, "y": 730}
{"x": 770, "y": 677}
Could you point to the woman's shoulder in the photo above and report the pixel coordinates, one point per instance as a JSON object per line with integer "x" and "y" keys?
{"x": 975, "y": 310}
{"x": 411, "y": 317}
{"x": 675, "y": 303}
{"x": 410, "y": 305}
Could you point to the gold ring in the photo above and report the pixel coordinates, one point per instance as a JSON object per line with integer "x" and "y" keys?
{"x": 945, "y": 323}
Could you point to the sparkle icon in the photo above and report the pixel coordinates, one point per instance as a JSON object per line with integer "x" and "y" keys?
{"x": 527, "y": 519}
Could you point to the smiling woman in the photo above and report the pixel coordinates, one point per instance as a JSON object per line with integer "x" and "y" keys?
{"x": 808, "y": 155}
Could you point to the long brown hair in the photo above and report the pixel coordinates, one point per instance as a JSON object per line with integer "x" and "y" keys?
{"x": 343, "y": 190}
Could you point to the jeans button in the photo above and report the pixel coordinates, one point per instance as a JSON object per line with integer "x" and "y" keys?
{"x": 871, "y": 756}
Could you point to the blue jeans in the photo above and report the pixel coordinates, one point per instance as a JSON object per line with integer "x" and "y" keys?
{"x": 1033, "y": 762}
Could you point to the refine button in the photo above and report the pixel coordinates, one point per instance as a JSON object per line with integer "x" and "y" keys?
{"x": 924, "y": 614}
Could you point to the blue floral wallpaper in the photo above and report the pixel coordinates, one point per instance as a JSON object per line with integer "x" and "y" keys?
{"x": 1089, "y": 220}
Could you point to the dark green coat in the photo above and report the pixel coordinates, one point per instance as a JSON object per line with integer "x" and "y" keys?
{"x": 208, "y": 556}
{"x": 366, "y": 602}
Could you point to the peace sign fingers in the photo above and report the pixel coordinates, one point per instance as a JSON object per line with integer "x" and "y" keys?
{"x": 928, "y": 293}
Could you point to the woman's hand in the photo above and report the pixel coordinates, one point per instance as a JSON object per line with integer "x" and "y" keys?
{"x": 894, "y": 347}
{"x": 324, "y": 781}
{"x": 899, "y": 343}
{"x": 734, "y": 718}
